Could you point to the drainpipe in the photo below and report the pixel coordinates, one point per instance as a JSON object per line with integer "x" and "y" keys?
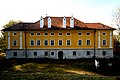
{"x": 94, "y": 44}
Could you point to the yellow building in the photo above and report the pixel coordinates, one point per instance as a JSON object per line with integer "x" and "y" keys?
{"x": 59, "y": 38}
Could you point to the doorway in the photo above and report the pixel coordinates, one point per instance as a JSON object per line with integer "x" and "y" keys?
{"x": 60, "y": 55}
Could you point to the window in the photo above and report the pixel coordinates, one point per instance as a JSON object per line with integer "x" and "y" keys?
{"x": 74, "y": 53}
{"x": 38, "y": 42}
{"x": 14, "y": 42}
{"x": 68, "y": 42}
{"x": 31, "y": 42}
{"x": 46, "y": 42}
{"x": 79, "y": 34}
{"x": 52, "y": 53}
{"x": 88, "y": 43}
{"x": 88, "y": 33}
{"x": 88, "y": 52}
{"x": 104, "y": 42}
{"x": 104, "y": 33}
{"x": 68, "y": 34}
{"x": 46, "y": 53}
{"x": 46, "y": 33}
{"x": 52, "y": 42}
{"x": 32, "y": 34}
{"x": 15, "y": 34}
{"x": 104, "y": 53}
{"x": 60, "y": 42}
{"x": 38, "y": 34}
{"x": 15, "y": 54}
{"x": 79, "y": 42}
{"x": 60, "y": 34}
{"x": 35, "y": 53}
{"x": 52, "y": 34}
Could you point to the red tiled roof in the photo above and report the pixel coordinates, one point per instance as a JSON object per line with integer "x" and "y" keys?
{"x": 56, "y": 23}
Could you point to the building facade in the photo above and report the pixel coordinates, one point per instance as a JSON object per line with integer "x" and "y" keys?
{"x": 59, "y": 38}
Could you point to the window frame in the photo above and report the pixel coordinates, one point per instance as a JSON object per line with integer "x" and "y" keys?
{"x": 45, "y": 42}
{"x": 104, "y": 33}
{"x": 68, "y": 33}
{"x": 103, "y": 42}
{"x": 35, "y": 53}
{"x": 51, "y": 42}
{"x": 51, "y": 53}
{"x": 74, "y": 53}
{"x": 87, "y": 33}
{"x": 37, "y": 34}
{"x": 59, "y": 42}
{"x": 46, "y": 34}
{"x": 88, "y": 53}
{"x": 31, "y": 42}
{"x": 60, "y": 34}
{"x": 87, "y": 42}
{"x": 15, "y": 54}
{"x": 13, "y": 42}
{"x": 37, "y": 42}
{"x": 45, "y": 53}
{"x": 31, "y": 34}
{"x": 15, "y": 33}
{"x": 104, "y": 53}
{"x": 52, "y": 34}
{"x": 80, "y": 33}
{"x": 67, "y": 42}
{"x": 78, "y": 42}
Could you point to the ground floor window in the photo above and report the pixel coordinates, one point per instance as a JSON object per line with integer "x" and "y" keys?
{"x": 15, "y": 54}
{"x": 88, "y": 53}
{"x": 52, "y": 53}
{"x": 104, "y": 53}
{"x": 74, "y": 53}
{"x": 35, "y": 53}
{"x": 46, "y": 53}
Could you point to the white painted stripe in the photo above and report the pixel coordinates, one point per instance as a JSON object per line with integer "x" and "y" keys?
{"x": 99, "y": 39}
{"x": 8, "y": 40}
{"x": 110, "y": 39}
{"x": 20, "y": 40}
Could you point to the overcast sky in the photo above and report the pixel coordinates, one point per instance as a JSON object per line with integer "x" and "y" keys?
{"x": 85, "y": 10}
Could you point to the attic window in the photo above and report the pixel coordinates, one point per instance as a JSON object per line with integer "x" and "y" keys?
{"x": 15, "y": 34}
{"x": 104, "y": 33}
{"x": 32, "y": 34}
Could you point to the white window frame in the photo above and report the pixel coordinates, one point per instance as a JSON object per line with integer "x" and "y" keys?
{"x": 103, "y": 33}
{"x": 79, "y": 32}
{"x": 89, "y": 33}
{"x": 102, "y": 42}
{"x": 47, "y": 42}
{"x": 33, "y": 42}
{"x": 78, "y": 42}
{"x": 58, "y": 42}
{"x": 86, "y": 42}
{"x": 37, "y": 41}
{"x": 14, "y": 33}
{"x": 51, "y": 33}
{"x": 51, "y": 43}
{"x": 59, "y": 33}
{"x": 14, "y": 41}
{"x": 67, "y": 34}
{"x": 47, "y": 34}
{"x": 67, "y": 42}
{"x": 31, "y": 33}
{"x": 51, "y": 53}
{"x": 37, "y": 34}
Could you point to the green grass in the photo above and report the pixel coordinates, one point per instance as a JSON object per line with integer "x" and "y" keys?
{"x": 50, "y": 70}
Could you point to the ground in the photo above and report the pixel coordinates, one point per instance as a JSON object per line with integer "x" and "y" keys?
{"x": 48, "y": 69}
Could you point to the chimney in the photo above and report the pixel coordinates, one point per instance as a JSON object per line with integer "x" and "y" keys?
{"x": 41, "y": 22}
{"x": 49, "y": 22}
{"x": 64, "y": 22}
{"x": 72, "y": 22}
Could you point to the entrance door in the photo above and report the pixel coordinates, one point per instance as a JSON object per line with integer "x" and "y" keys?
{"x": 60, "y": 55}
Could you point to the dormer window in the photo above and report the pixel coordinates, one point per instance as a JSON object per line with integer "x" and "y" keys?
{"x": 72, "y": 22}
{"x": 64, "y": 22}
{"x": 49, "y": 22}
{"x": 41, "y": 22}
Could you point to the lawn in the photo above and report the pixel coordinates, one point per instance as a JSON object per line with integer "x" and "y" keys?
{"x": 48, "y": 69}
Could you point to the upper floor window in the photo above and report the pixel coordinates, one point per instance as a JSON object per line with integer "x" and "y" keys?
{"x": 32, "y": 34}
{"x": 79, "y": 33}
{"x": 52, "y": 33}
{"x": 79, "y": 42}
{"x": 46, "y": 33}
{"x": 14, "y": 33}
{"x": 88, "y": 33}
{"x": 52, "y": 42}
{"x": 68, "y": 34}
{"x": 38, "y": 34}
{"x": 31, "y": 42}
{"x": 88, "y": 42}
{"x": 46, "y": 42}
{"x": 60, "y": 42}
{"x": 38, "y": 42}
{"x": 68, "y": 42}
{"x": 104, "y": 42}
{"x": 14, "y": 42}
{"x": 104, "y": 33}
{"x": 60, "y": 34}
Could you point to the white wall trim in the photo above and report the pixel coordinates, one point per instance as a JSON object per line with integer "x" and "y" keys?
{"x": 111, "y": 46}
{"x": 8, "y": 40}
{"x": 99, "y": 39}
{"x": 20, "y": 40}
